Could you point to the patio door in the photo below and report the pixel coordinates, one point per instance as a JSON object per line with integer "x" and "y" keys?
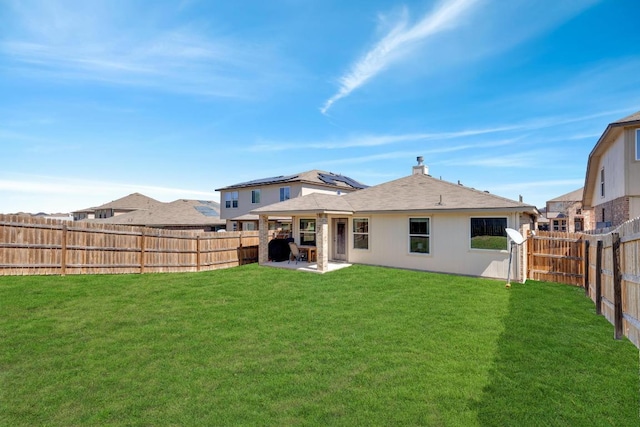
{"x": 340, "y": 239}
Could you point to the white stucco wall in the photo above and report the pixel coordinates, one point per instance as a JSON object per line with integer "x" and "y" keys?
{"x": 450, "y": 242}
{"x": 613, "y": 161}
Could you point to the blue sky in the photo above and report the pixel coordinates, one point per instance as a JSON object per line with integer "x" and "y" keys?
{"x": 100, "y": 99}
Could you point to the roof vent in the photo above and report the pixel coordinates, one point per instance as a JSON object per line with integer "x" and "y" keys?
{"x": 420, "y": 168}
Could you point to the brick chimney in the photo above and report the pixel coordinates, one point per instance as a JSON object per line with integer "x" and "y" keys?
{"x": 420, "y": 169}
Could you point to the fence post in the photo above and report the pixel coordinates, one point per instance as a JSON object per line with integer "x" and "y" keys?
{"x": 586, "y": 267}
{"x": 142, "y": 249}
{"x": 617, "y": 288}
{"x": 63, "y": 253}
{"x": 599, "y": 276}
{"x": 198, "y": 253}
{"x": 240, "y": 252}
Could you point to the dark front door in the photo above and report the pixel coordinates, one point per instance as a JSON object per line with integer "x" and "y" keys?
{"x": 340, "y": 239}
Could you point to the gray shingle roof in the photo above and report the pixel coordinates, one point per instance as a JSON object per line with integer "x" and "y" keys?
{"x": 412, "y": 193}
{"x": 423, "y": 193}
{"x": 574, "y": 196}
{"x": 311, "y": 203}
{"x": 635, "y": 117}
{"x": 182, "y": 212}
{"x": 132, "y": 201}
{"x": 317, "y": 177}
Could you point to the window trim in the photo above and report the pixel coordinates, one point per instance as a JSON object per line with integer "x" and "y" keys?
{"x": 355, "y": 233}
{"x": 256, "y": 200}
{"x": 637, "y": 144}
{"x": 506, "y": 225}
{"x": 231, "y": 200}
{"x": 288, "y": 195}
{"x": 427, "y": 235}
{"x": 602, "y": 181}
{"x": 302, "y": 231}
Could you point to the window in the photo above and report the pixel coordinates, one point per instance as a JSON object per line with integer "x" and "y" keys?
{"x": 637, "y": 144}
{"x": 255, "y": 196}
{"x": 308, "y": 232}
{"x": 559, "y": 225}
{"x": 602, "y": 182}
{"x": 419, "y": 235}
{"x": 489, "y": 233}
{"x": 285, "y": 193}
{"x": 361, "y": 233}
{"x": 231, "y": 199}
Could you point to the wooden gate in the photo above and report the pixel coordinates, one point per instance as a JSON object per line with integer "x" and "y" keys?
{"x": 556, "y": 257}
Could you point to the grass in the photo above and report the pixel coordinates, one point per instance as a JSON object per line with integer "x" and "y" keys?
{"x": 261, "y": 346}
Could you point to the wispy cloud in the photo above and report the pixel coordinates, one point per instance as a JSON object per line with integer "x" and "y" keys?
{"x": 179, "y": 59}
{"x": 401, "y": 40}
{"x": 370, "y": 140}
{"x": 373, "y": 140}
{"x": 538, "y": 185}
{"x": 466, "y": 30}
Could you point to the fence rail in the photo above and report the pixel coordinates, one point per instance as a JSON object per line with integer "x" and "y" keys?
{"x": 35, "y": 246}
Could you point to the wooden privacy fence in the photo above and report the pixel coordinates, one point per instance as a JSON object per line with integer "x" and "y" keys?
{"x": 35, "y": 246}
{"x": 613, "y": 277}
{"x": 556, "y": 257}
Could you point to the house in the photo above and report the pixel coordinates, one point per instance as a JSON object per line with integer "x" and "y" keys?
{"x": 182, "y": 214}
{"x": 130, "y": 203}
{"x": 238, "y": 200}
{"x": 565, "y": 213}
{"x": 416, "y": 222}
{"x": 612, "y": 182}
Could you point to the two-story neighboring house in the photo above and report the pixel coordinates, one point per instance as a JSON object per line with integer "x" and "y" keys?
{"x": 612, "y": 182}
{"x": 238, "y": 200}
{"x": 565, "y": 213}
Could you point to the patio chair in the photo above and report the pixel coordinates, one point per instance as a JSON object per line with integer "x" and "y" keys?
{"x": 295, "y": 252}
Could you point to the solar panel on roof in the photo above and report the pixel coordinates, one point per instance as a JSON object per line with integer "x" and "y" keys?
{"x": 270, "y": 180}
{"x": 331, "y": 180}
{"x": 207, "y": 211}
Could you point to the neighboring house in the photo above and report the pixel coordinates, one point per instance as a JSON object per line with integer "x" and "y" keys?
{"x": 612, "y": 182}
{"x": 130, "y": 203}
{"x": 181, "y": 214}
{"x": 56, "y": 216}
{"x": 238, "y": 200}
{"x": 565, "y": 213}
{"x": 416, "y": 222}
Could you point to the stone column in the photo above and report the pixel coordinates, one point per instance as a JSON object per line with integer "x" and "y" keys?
{"x": 322, "y": 241}
{"x": 263, "y": 248}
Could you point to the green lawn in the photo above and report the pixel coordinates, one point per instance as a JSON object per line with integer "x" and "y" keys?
{"x": 261, "y": 346}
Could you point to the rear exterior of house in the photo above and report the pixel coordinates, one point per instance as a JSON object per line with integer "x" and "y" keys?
{"x": 417, "y": 222}
{"x": 612, "y": 182}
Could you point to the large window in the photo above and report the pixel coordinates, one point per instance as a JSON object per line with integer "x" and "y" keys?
{"x": 308, "y": 232}
{"x": 489, "y": 233}
{"x": 602, "y": 182}
{"x": 285, "y": 193}
{"x": 361, "y": 233}
{"x": 231, "y": 199}
{"x": 255, "y": 196}
{"x": 419, "y": 235}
